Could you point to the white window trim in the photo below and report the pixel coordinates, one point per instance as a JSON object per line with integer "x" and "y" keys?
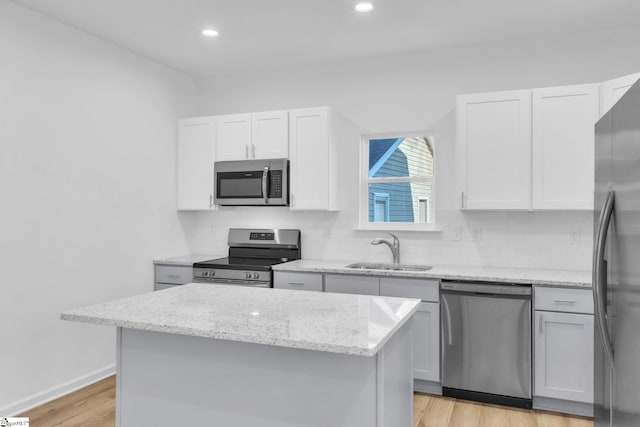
{"x": 385, "y": 198}
{"x": 427, "y": 201}
{"x": 364, "y": 181}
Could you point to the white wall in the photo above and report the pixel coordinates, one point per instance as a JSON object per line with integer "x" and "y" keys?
{"x": 416, "y": 91}
{"x": 87, "y": 172}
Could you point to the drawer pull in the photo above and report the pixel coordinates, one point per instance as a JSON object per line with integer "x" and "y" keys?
{"x": 565, "y": 301}
{"x": 297, "y": 283}
{"x": 173, "y": 276}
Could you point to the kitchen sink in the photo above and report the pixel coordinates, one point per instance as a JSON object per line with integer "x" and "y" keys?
{"x": 392, "y": 267}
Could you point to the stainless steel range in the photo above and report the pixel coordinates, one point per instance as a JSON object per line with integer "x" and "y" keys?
{"x": 252, "y": 252}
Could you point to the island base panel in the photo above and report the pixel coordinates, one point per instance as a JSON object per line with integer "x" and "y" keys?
{"x": 168, "y": 379}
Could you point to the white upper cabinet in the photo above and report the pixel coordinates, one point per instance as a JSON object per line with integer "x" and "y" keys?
{"x": 311, "y": 165}
{"x": 612, "y": 90}
{"x": 528, "y": 149}
{"x": 196, "y": 155}
{"x": 270, "y": 135}
{"x": 563, "y": 143}
{"x": 253, "y": 136}
{"x": 233, "y": 137}
{"x": 494, "y": 150}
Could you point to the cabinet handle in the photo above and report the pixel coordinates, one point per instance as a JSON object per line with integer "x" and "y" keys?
{"x": 173, "y": 276}
{"x": 253, "y": 151}
{"x": 246, "y": 151}
{"x": 297, "y": 283}
{"x": 565, "y": 301}
{"x": 462, "y": 199}
{"x": 210, "y": 200}
{"x": 540, "y": 323}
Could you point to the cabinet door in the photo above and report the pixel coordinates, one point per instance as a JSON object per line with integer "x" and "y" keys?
{"x": 309, "y": 154}
{"x": 563, "y": 146}
{"x": 270, "y": 135}
{"x": 426, "y": 342}
{"x": 564, "y": 356}
{"x": 494, "y": 150}
{"x": 196, "y": 155}
{"x": 298, "y": 281}
{"x": 233, "y": 140}
{"x": 348, "y": 284}
{"x": 612, "y": 90}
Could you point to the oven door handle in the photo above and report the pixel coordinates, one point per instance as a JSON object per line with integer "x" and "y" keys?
{"x": 265, "y": 189}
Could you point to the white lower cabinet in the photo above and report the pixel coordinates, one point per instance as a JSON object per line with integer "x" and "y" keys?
{"x": 168, "y": 276}
{"x": 426, "y": 342}
{"x": 426, "y": 325}
{"x": 297, "y": 281}
{"x": 352, "y": 284}
{"x": 426, "y": 321}
{"x": 563, "y": 354}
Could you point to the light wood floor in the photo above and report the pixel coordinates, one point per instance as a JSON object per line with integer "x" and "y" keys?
{"x": 94, "y": 406}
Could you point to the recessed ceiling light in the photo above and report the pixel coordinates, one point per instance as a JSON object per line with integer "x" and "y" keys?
{"x": 209, "y": 32}
{"x": 364, "y": 7}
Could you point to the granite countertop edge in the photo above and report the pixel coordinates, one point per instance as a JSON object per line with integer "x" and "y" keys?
{"x": 538, "y": 277}
{"x": 185, "y": 260}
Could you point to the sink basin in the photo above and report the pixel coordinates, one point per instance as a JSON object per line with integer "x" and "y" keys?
{"x": 391, "y": 267}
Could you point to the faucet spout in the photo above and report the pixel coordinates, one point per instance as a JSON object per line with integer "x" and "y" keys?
{"x": 394, "y": 247}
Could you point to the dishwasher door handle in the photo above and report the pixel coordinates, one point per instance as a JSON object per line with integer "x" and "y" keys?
{"x": 487, "y": 288}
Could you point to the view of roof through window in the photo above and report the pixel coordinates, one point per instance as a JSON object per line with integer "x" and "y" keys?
{"x": 400, "y": 173}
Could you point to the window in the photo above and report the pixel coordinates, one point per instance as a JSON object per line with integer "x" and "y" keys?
{"x": 398, "y": 182}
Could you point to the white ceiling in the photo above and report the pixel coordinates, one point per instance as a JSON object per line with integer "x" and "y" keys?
{"x": 258, "y": 35}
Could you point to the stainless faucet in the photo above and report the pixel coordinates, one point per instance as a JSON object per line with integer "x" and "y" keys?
{"x": 395, "y": 246}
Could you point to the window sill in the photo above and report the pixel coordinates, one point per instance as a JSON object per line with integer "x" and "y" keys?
{"x": 398, "y": 227}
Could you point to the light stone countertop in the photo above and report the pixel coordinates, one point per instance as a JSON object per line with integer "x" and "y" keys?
{"x": 580, "y": 279}
{"x": 186, "y": 260}
{"x": 338, "y": 323}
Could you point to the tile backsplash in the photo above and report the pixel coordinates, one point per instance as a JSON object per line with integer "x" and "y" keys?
{"x": 545, "y": 240}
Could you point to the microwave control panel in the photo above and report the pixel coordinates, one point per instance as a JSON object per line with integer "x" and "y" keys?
{"x": 275, "y": 189}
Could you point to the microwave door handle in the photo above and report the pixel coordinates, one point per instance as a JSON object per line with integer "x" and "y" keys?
{"x": 265, "y": 176}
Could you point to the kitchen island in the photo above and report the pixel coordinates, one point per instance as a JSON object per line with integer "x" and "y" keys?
{"x": 202, "y": 354}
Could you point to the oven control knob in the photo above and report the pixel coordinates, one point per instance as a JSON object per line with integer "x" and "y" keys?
{"x": 256, "y": 275}
{"x": 205, "y": 273}
{"x": 247, "y": 275}
{"x": 212, "y": 273}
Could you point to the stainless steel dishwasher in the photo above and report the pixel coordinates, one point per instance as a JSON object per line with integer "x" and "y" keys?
{"x": 486, "y": 342}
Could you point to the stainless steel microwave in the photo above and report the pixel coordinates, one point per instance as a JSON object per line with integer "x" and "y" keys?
{"x": 252, "y": 183}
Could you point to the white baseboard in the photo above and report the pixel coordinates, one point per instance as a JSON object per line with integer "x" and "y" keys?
{"x": 52, "y": 393}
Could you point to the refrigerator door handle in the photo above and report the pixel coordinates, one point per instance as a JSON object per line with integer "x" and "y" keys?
{"x": 600, "y": 275}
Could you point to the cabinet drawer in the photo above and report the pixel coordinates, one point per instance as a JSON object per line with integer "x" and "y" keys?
{"x": 349, "y": 284}
{"x": 177, "y": 275}
{"x": 424, "y": 289}
{"x": 563, "y": 299}
{"x": 298, "y": 281}
{"x": 163, "y": 286}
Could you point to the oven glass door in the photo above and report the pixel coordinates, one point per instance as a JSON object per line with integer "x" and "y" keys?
{"x": 239, "y": 185}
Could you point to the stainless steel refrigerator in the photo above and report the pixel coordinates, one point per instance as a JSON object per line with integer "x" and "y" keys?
{"x": 616, "y": 264}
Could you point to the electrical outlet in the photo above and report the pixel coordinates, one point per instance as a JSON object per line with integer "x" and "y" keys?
{"x": 456, "y": 233}
{"x": 476, "y": 234}
{"x": 574, "y": 237}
